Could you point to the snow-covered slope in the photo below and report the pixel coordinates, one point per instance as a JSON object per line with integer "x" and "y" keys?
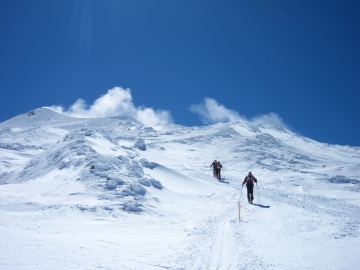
{"x": 112, "y": 193}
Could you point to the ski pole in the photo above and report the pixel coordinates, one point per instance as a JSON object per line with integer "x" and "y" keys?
{"x": 258, "y": 192}
{"x": 240, "y": 201}
{"x": 212, "y": 173}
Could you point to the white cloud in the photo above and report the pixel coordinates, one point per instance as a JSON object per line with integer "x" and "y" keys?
{"x": 150, "y": 117}
{"x": 56, "y": 108}
{"x": 211, "y": 112}
{"x": 116, "y": 102}
{"x": 269, "y": 119}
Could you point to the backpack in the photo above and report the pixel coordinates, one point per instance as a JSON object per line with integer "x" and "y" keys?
{"x": 250, "y": 180}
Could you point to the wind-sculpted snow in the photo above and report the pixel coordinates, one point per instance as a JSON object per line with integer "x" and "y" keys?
{"x": 113, "y": 193}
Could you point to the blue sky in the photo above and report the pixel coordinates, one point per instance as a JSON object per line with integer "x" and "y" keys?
{"x": 187, "y": 62}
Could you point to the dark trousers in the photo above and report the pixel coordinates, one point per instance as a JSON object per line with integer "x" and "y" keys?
{"x": 250, "y": 192}
{"x": 218, "y": 173}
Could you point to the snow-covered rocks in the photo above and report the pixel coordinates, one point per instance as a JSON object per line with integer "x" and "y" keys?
{"x": 156, "y": 184}
{"x": 140, "y": 144}
{"x": 147, "y": 164}
{"x": 133, "y": 206}
{"x": 118, "y": 180}
{"x": 134, "y": 190}
{"x": 340, "y": 179}
{"x": 151, "y": 182}
{"x": 138, "y": 189}
{"x": 111, "y": 184}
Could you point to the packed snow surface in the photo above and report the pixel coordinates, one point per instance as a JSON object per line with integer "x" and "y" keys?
{"x": 112, "y": 193}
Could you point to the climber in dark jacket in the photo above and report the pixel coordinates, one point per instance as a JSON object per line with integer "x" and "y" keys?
{"x": 249, "y": 181}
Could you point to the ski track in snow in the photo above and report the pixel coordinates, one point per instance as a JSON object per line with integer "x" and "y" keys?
{"x": 88, "y": 194}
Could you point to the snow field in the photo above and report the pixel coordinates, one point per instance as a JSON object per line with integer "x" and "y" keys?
{"x": 114, "y": 194}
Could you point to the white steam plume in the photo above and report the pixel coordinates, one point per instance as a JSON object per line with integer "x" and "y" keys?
{"x": 211, "y": 112}
{"x": 116, "y": 102}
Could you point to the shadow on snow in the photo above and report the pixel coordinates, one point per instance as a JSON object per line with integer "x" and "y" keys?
{"x": 262, "y": 206}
